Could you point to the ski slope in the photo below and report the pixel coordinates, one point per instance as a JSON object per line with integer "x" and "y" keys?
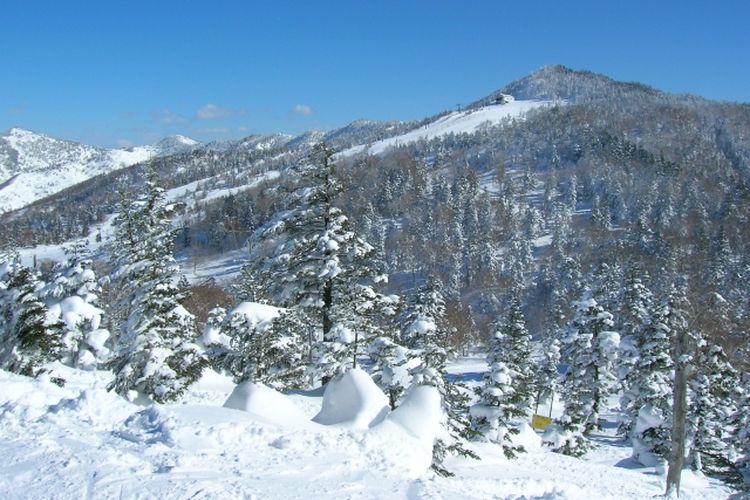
{"x": 457, "y": 122}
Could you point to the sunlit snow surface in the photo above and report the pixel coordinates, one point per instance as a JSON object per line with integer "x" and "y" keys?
{"x": 80, "y": 441}
{"x": 457, "y": 122}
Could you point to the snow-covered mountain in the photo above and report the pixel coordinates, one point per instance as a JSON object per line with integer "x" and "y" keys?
{"x": 34, "y": 165}
{"x": 174, "y": 144}
{"x": 458, "y": 122}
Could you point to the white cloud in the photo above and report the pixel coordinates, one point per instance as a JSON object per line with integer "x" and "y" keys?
{"x": 168, "y": 117}
{"x": 212, "y": 111}
{"x": 302, "y": 109}
{"x": 125, "y": 143}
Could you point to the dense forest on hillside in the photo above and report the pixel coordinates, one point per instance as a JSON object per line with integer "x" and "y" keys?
{"x": 616, "y": 173}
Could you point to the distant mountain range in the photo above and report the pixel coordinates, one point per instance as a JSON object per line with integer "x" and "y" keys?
{"x": 34, "y": 165}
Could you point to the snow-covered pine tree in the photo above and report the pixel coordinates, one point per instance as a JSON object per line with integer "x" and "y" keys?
{"x": 249, "y": 288}
{"x": 424, "y": 330}
{"x": 685, "y": 345}
{"x": 591, "y": 351}
{"x": 390, "y": 369}
{"x": 507, "y": 390}
{"x": 156, "y": 355}
{"x": 714, "y": 392}
{"x": 268, "y": 352}
{"x": 635, "y": 317}
{"x": 386, "y": 350}
{"x": 73, "y": 296}
{"x": 361, "y": 315}
{"x": 652, "y": 377}
{"x": 546, "y": 383}
{"x": 29, "y": 337}
{"x": 545, "y": 370}
{"x": 215, "y": 342}
{"x": 308, "y": 258}
{"x": 8, "y": 263}
{"x": 566, "y": 435}
{"x": 740, "y": 423}
{"x": 599, "y": 363}
{"x": 519, "y": 252}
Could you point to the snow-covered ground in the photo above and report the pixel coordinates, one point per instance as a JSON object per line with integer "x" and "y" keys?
{"x": 457, "y": 122}
{"x": 79, "y": 441}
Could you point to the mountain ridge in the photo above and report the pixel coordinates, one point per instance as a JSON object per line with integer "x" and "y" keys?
{"x": 74, "y": 162}
{"x": 34, "y": 165}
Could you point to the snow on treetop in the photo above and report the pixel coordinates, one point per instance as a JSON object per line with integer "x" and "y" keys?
{"x": 422, "y": 326}
{"x": 255, "y": 313}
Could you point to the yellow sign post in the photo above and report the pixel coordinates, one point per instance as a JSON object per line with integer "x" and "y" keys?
{"x": 540, "y": 422}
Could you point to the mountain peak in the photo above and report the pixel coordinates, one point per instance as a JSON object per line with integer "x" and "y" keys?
{"x": 558, "y": 82}
{"x": 20, "y": 132}
{"x": 181, "y": 139}
{"x": 175, "y": 144}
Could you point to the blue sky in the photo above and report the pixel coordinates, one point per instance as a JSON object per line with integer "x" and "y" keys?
{"x": 129, "y": 72}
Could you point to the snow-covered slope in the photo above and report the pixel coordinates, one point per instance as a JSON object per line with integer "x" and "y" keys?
{"x": 457, "y": 122}
{"x": 80, "y": 441}
{"x": 33, "y": 165}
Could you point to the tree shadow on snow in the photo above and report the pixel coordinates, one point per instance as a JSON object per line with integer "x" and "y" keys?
{"x": 465, "y": 377}
{"x": 632, "y": 464}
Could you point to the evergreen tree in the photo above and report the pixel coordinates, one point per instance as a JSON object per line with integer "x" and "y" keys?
{"x": 249, "y": 288}
{"x": 653, "y": 376}
{"x": 156, "y": 355}
{"x": 267, "y": 352}
{"x": 635, "y": 314}
{"x": 714, "y": 394}
{"x": 307, "y": 258}
{"x": 546, "y": 376}
{"x": 8, "y": 267}
{"x": 390, "y": 368}
{"x": 506, "y": 392}
{"x": 73, "y": 296}
{"x": 215, "y": 341}
{"x": 424, "y": 329}
{"x": 591, "y": 349}
{"x": 741, "y": 435}
{"x": 28, "y": 338}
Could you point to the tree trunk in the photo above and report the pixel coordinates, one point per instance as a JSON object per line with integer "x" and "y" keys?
{"x": 327, "y": 305}
{"x": 679, "y": 416}
{"x": 354, "y": 354}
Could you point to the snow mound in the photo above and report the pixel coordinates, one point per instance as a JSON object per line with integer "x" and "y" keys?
{"x": 527, "y": 437}
{"x": 419, "y": 414}
{"x": 353, "y": 400}
{"x": 266, "y": 403}
{"x": 94, "y": 407}
{"x": 409, "y": 431}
